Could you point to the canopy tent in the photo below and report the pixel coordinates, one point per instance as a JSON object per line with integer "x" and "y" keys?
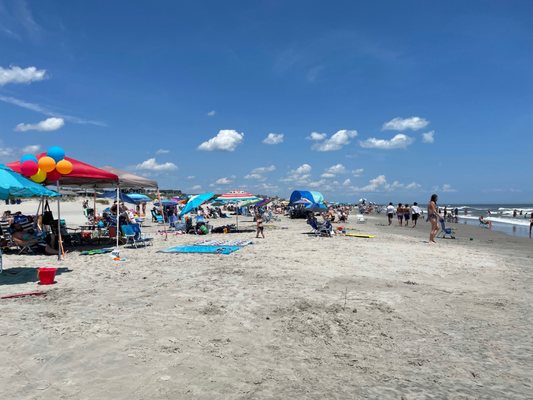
{"x": 195, "y": 202}
{"x": 236, "y": 196}
{"x": 314, "y": 197}
{"x": 82, "y": 174}
{"x": 12, "y": 184}
{"x": 127, "y": 180}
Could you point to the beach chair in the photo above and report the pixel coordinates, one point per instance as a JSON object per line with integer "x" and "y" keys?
{"x": 141, "y": 237}
{"x": 129, "y": 235}
{"x": 157, "y": 217}
{"x": 323, "y": 229}
{"x": 446, "y": 233}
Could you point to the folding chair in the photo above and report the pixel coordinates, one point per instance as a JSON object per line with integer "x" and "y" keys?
{"x": 129, "y": 234}
{"x": 446, "y": 233}
{"x": 141, "y": 237}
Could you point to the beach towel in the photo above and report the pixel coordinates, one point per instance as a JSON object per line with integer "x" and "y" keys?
{"x": 360, "y": 235}
{"x": 201, "y": 249}
{"x": 95, "y": 251}
{"x": 214, "y": 242}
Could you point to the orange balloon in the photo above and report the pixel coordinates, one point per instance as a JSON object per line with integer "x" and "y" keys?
{"x": 47, "y": 164}
{"x": 64, "y": 167}
{"x": 39, "y": 177}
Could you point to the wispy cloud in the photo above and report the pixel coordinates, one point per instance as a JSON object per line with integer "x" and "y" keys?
{"x": 299, "y": 175}
{"x": 273, "y": 138}
{"x": 225, "y": 140}
{"x": 43, "y": 110}
{"x": 211, "y": 113}
{"x": 162, "y": 151}
{"x": 17, "y": 21}
{"x": 402, "y": 124}
{"x": 380, "y": 184}
{"x": 445, "y": 188}
{"x": 48, "y": 125}
{"x": 336, "y": 142}
{"x": 15, "y": 74}
{"x": 31, "y": 149}
{"x": 152, "y": 165}
{"x": 400, "y": 141}
{"x": 223, "y": 181}
{"x": 314, "y": 72}
{"x": 428, "y": 137}
{"x": 358, "y": 172}
{"x": 317, "y": 136}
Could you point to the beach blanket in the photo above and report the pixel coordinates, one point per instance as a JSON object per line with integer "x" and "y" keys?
{"x": 201, "y": 249}
{"x": 95, "y": 251}
{"x": 214, "y": 242}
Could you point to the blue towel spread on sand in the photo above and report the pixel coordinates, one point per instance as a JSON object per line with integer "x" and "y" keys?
{"x": 201, "y": 249}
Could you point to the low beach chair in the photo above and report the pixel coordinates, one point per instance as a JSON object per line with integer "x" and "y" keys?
{"x": 446, "y": 233}
{"x": 157, "y": 217}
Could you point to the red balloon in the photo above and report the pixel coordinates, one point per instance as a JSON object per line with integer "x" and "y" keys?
{"x": 29, "y": 168}
{"x": 52, "y": 176}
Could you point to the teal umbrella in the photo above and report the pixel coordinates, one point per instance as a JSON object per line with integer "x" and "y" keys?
{"x": 13, "y": 184}
{"x": 195, "y": 202}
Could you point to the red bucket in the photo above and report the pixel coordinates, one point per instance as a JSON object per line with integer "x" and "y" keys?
{"x": 46, "y": 275}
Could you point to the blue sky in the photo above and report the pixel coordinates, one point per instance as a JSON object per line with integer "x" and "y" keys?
{"x": 385, "y": 100}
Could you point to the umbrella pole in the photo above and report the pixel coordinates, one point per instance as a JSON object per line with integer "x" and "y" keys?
{"x": 118, "y": 214}
{"x": 60, "y": 251}
{"x": 94, "y": 206}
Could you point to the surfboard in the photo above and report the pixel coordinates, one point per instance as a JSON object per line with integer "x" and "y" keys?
{"x": 360, "y": 235}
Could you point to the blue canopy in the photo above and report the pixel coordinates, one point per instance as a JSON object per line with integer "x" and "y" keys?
{"x": 313, "y": 197}
{"x": 13, "y": 184}
{"x": 195, "y": 202}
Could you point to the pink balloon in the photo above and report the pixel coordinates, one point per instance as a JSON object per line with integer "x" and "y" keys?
{"x": 29, "y": 168}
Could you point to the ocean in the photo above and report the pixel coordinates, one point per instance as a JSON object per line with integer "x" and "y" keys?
{"x": 501, "y": 216}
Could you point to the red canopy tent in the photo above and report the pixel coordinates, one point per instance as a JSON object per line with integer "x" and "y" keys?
{"x": 82, "y": 174}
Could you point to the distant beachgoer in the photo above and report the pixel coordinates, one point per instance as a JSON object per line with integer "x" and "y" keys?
{"x": 515, "y": 212}
{"x": 399, "y": 214}
{"x": 390, "y": 212}
{"x": 260, "y": 227}
{"x": 407, "y": 214}
{"x": 445, "y": 211}
{"x": 433, "y": 217}
{"x": 530, "y": 224}
{"x": 484, "y": 222}
{"x": 143, "y": 209}
{"x": 415, "y": 213}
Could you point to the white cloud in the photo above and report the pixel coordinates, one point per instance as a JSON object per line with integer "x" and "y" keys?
{"x": 196, "y": 187}
{"x": 300, "y": 174}
{"x": 225, "y": 140}
{"x": 380, "y": 184}
{"x": 327, "y": 175}
{"x": 268, "y": 187}
{"x": 336, "y": 169}
{"x": 211, "y": 113}
{"x": 400, "y": 141}
{"x": 401, "y": 124}
{"x": 48, "y": 125}
{"x": 317, "y": 136}
{"x": 446, "y": 188}
{"x": 190, "y": 177}
{"x": 347, "y": 182}
{"x": 262, "y": 170}
{"x": 6, "y": 152}
{"x": 223, "y": 181}
{"x": 31, "y": 149}
{"x": 273, "y": 138}
{"x": 162, "y": 151}
{"x": 336, "y": 141}
{"x": 358, "y": 172}
{"x": 16, "y": 74}
{"x": 428, "y": 137}
{"x": 256, "y": 177}
{"x": 152, "y": 165}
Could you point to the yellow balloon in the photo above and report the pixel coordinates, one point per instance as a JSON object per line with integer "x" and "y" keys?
{"x": 47, "y": 164}
{"x": 64, "y": 167}
{"x": 39, "y": 177}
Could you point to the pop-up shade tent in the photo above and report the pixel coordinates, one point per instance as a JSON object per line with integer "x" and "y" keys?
{"x": 12, "y": 184}
{"x": 313, "y": 197}
{"x": 127, "y": 180}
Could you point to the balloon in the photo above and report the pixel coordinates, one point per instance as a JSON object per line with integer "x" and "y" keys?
{"x": 29, "y": 168}
{"x": 64, "y": 167}
{"x": 47, "y": 164}
{"x": 53, "y": 176}
{"x": 56, "y": 152}
{"x": 39, "y": 177}
{"x": 28, "y": 157}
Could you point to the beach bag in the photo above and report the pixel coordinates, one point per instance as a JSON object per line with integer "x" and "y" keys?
{"x": 48, "y": 217}
{"x": 203, "y": 229}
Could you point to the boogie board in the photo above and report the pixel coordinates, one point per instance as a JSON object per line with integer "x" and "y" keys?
{"x": 359, "y": 235}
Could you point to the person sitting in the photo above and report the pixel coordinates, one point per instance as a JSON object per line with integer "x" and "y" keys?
{"x": 27, "y": 239}
{"x": 484, "y": 222}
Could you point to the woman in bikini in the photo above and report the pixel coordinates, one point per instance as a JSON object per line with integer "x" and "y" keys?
{"x": 433, "y": 217}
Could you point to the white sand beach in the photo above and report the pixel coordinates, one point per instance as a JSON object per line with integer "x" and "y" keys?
{"x": 291, "y": 316}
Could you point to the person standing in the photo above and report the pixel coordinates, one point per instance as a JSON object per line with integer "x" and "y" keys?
{"x": 399, "y": 214}
{"x": 415, "y": 213}
{"x": 530, "y": 224}
{"x": 433, "y": 217}
{"x": 259, "y": 222}
{"x": 407, "y": 214}
{"x": 390, "y": 212}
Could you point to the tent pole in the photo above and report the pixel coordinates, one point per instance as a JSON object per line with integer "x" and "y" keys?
{"x": 60, "y": 251}
{"x": 118, "y": 214}
{"x": 94, "y": 205}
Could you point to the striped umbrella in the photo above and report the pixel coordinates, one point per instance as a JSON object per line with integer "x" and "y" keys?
{"x": 237, "y": 196}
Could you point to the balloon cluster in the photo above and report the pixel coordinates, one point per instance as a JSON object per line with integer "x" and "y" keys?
{"x": 47, "y": 167}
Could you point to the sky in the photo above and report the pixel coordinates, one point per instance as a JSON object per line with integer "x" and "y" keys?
{"x": 386, "y": 100}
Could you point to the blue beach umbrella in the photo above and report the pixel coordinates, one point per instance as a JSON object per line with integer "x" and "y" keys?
{"x": 195, "y": 202}
{"x": 166, "y": 203}
{"x": 13, "y": 184}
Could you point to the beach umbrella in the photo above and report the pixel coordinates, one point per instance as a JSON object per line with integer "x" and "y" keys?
{"x": 320, "y": 207}
{"x": 13, "y": 184}
{"x": 236, "y": 196}
{"x": 195, "y": 202}
{"x": 166, "y": 203}
{"x": 263, "y": 202}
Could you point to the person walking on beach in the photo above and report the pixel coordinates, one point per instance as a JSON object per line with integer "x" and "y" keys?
{"x": 390, "y": 212}
{"x": 433, "y": 217}
{"x": 399, "y": 214}
{"x": 530, "y": 224}
{"x": 407, "y": 214}
{"x": 415, "y": 213}
{"x": 259, "y": 222}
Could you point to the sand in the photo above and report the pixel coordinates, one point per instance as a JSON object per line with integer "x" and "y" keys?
{"x": 290, "y": 316}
